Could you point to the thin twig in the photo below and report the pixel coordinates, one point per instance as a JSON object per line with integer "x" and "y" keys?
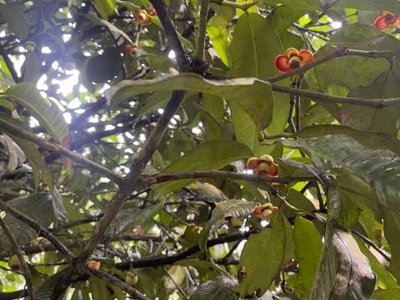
{"x": 135, "y": 294}
{"x": 54, "y": 147}
{"x": 159, "y": 178}
{"x": 18, "y": 253}
{"x": 41, "y": 231}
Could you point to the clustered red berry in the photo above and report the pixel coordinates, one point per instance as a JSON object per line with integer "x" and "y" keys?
{"x": 293, "y": 59}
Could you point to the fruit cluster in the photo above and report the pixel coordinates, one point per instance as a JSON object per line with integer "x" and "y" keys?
{"x": 293, "y": 59}
{"x": 263, "y": 165}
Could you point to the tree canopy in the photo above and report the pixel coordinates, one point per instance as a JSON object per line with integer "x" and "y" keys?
{"x": 193, "y": 150}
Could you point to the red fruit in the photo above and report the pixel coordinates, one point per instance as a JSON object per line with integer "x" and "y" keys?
{"x": 273, "y": 170}
{"x": 152, "y": 10}
{"x": 253, "y": 163}
{"x": 94, "y": 264}
{"x": 142, "y": 17}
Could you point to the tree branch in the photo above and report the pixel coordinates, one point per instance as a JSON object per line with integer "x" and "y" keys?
{"x": 201, "y": 34}
{"x": 169, "y": 260}
{"x": 128, "y": 185}
{"x": 43, "y": 232}
{"x": 159, "y": 178}
{"x": 172, "y": 35}
{"x": 17, "y": 252}
{"x": 54, "y": 147}
{"x": 316, "y": 96}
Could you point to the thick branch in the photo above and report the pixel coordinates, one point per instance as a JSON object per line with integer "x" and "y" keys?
{"x": 54, "y": 147}
{"x": 150, "y": 146}
{"x": 137, "y": 167}
{"x": 172, "y": 35}
{"x": 22, "y": 262}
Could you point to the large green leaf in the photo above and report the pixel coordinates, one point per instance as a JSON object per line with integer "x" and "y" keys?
{"x": 308, "y": 248}
{"x": 371, "y": 140}
{"x": 212, "y": 155}
{"x": 357, "y": 75}
{"x": 383, "y": 275}
{"x": 262, "y": 257}
{"x": 218, "y": 33}
{"x": 46, "y": 290}
{"x": 254, "y": 47}
{"x": 254, "y": 96}
{"x": 373, "y": 5}
{"x": 392, "y": 233}
{"x": 105, "y": 7}
{"x": 378, "y": 167}
{"x": 38, "y": 207}
{"x": 389, "y": 294}
{"x": 301, "y": 5}
{"x": 219, "y": 288}
{"x": 231, "y": 208}
{"x": 47, "y": 113}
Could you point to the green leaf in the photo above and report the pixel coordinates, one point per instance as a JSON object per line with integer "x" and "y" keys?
{"x": 212, "y": 155}
{"x": 128, "y": 218}
{"x": 389, "y": 294}
{"x": 47, "y": 113}
{"x": 105, "y": 8}
{"x": 231, "y": 208}
{"x": 219, "y": 288}
{"x": 218, "y": 33}
{"x": 378, "y": 167}
{"x": 371, "y": 140}
{"x": 392, "y": 233}
{"x": 301, "y": 5}
{"x": 254, "y": 47}
{"x": 38, "y": 164}
{"x": 46, "y": 290}
{"x": 107, "y": 24}
{"x": 248, "y": 93}
{"x": 308, "y": 250}
{"x": 383, "y": 275}
{"x": 372, "y": 5}
{"x": 105, "y": 66}
{"x": 262, "y": 257}
{"x": 37, "y": 207}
